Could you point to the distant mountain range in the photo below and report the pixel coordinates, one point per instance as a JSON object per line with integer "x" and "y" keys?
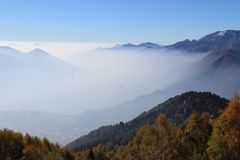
{"x": 141, "y": 45}
{"x": 218, "y": 71}
{"x": 178, "y": 109}
{"x": 212, "y": 42}
{"x": 35, "y": 63}
{"x": 57, "y": 128}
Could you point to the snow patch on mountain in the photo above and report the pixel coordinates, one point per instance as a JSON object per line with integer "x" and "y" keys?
{"x": 221, "y": 33}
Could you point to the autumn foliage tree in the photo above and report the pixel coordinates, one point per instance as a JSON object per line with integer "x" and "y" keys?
{"x": 151, "y": 142}
{"x": 11, "y": 145}
{"x": 198, "y": 138}
{"x": 225, "y": 140}
{"x": 16, "y": 146}
{"x": 193, "y": 139}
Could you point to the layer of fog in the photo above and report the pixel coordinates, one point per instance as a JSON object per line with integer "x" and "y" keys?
{"x": 58, "y": 49}
{"x": 104, "y": 77}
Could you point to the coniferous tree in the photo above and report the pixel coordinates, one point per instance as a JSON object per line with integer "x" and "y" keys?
{"x": 91, "y": 155}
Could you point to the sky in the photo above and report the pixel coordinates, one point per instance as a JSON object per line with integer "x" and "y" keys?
{"x": 112, "y": 21}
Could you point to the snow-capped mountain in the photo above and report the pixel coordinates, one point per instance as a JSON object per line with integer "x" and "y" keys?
{"x": 211, "y": 42}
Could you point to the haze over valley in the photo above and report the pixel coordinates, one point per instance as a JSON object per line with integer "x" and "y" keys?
{"x": 111, "y": 77}
{"x": 119, "y": 80}
{"x": 110, "y": 84}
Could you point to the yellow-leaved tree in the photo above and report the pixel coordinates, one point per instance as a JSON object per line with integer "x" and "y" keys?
{"x": 225, "y": 140}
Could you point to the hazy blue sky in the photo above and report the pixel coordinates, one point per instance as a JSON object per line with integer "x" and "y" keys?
{"x": 162, "y": 21}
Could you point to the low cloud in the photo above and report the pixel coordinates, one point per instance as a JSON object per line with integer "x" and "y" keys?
{"x": 102, "y": 78}
{"x": 59, "y": 49}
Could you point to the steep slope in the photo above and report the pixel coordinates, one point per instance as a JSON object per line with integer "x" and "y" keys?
{"x": 35, "y": 64}
{"x": 45, "y": 57}
{"x": 35, "y": 58}
{"x": 44, "y": 62}
{"x": 10, "y": 58}
{"x": 216, "y": 72}
{"x": 223, "y": 59}
{"x": 211, "y": 77}
{"x": 178, "y": 109}
{"x": 11, "y": 52}
{"x": 65, "y": 128}
{"x": 212, "y": 42}
{"x": 208, "y": 43}
{"x": 220, "y": 70}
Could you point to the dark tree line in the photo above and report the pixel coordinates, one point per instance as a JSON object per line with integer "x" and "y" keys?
{"x": 201, "y": 137}
{"x": 178, "y": 109}
{"x": 16, "y": 146}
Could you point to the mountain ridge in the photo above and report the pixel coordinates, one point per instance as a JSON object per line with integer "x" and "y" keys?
{"x": 211, "y": 42}
{"x": 177, "y": 108}
{"x": 219, "y": 76}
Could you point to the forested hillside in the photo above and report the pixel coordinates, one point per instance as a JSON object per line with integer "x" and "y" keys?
{"x": 178, "y": 109}
{"x": 210, "y": 135}
{"x": 201, "y": 138}
{"x": 16, "y": 146}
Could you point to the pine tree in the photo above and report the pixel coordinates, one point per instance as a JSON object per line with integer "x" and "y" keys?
{"x": 91, "y": 155}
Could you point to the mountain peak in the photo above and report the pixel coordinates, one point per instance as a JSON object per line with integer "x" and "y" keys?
{"x": 141, "y": 45}
{"x": 178, "y": 109}
{"x": 209, "y": 43}
{"x": 221, "y": 33}
{"x": 38, "y": 51}
{"x": 228, "y": 34}
{"x": 127, "y": 45}
{"x": 9, "y": 50}
{"x": 149, "y": 45}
